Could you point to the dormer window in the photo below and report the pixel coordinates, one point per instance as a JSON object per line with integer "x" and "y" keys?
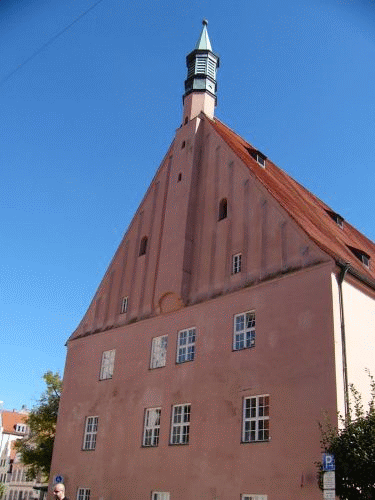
{"x": 361, "y": 255}
{"x": 223, "y": 209}
{"x": 259, "y": 157}
{"x": 21, "y": 428}
{"x": 143, "y": 246}
{"x": 337, "y": 218}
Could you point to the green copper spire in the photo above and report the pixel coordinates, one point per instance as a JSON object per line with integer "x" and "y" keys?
{"x": 202, "y": 64}
{"x": 203, "y": 42}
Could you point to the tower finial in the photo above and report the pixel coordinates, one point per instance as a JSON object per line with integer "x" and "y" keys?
{"x": 200, "y": 84}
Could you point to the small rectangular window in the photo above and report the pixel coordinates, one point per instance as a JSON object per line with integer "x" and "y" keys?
{"x": 108, "y": 363}
{"x": 124, "y": 305}
{"x": 244, "y": 331}
{"x": 91, "y": 430}
{"x": 83, "y": 494}
{"x": 180, "y": 424}
{"x": 236, "y": 263}
{"x": 256, "y": 419}
{"x": 159, "y": 351}
{"x": 186, "y": 345}
{"x": 261, "y": 160}
{"x": 160, "y": 495}
{"x": 151, "y": 427}
{"x": 253, "y": 497}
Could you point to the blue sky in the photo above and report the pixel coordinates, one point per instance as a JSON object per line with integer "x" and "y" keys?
{"x": 87, "y": 116}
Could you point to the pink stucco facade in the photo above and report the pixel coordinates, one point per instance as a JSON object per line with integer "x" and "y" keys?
{"x": 177, "y": 269}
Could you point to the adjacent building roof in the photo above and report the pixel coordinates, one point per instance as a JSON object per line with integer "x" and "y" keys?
{"x": 10, "y": 419}
{"x": 324, "y": 226}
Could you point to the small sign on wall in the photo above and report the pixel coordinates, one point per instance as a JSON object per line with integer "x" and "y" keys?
{"x": 58, "y": 479}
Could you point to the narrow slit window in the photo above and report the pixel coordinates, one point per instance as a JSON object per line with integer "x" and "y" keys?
{"x": 124, "y": 305}
{"x": 143, "y": 246}
{"x": 223, "y": 209}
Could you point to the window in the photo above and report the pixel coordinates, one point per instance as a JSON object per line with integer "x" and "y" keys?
{"x": 152, "y": 427}
{"x": 143, "y": 246}
{"x": 253, "y": 497}
{"x": 124, "y": 305}
{"x": 180, "y": 424}
{"x": 236, "y": 263}
{"x": 244, "y": 330}
{"x": 21, "y": 428}
{"x": 91, "y": 430}
{"x": 83, "y": 494}
{"x": 160, "y": 495}
{"x": 186, "y": 345}
{"x": 261, "y": 160}
{"x": 159, "y": 351}
{"x": 255, "y": 419}
{"x": 108, "y": 362}
{"x": 223, "y": 209}
{"x": 361, "y": 255}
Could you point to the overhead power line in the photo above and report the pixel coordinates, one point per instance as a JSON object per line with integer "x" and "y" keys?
{"x": 51, "y": 40}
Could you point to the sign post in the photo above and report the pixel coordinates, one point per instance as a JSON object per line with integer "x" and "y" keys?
{"x": 329, "y": 480}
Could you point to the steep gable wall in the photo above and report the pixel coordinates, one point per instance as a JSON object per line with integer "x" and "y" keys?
{"x": 189, "y": 251}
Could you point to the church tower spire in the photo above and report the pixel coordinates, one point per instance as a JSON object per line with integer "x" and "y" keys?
{"x": 200, "y": 84}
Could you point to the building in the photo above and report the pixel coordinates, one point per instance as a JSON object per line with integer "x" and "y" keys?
{"x": 12, "y": 471}
{"x": 235, "y": 312}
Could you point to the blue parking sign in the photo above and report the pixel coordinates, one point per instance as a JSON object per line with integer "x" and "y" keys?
{"x": 328, "y": 462}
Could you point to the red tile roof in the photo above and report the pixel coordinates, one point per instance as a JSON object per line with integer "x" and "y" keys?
{"x": 10, "y": 419}
{"x": 311, "y": 214}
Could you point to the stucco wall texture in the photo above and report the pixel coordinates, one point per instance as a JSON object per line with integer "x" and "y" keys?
{"x": 292, "y": 362}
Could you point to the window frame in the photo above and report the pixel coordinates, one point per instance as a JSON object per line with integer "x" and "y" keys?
{"x": 153, "y": 429}
{"x": 245, "y": 336}
{"x": 262, "y": 416}
{"x": 107, "y": 365}
{"x": 186, "y": 351}
{"x": 247, "y": 496}
{"x": 160, "y": 495}
{"x": 236, "y": 263}
{"x": 156, "y": 347}
{"x": 183, "y": 435}
{"x": 85, "y": 495}
{"x": 124, "y": 305}
{"x": 90, "y": 444}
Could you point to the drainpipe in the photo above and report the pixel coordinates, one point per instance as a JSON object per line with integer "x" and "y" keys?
{"x": 343, "y": 270}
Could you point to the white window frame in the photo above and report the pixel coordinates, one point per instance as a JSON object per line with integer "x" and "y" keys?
{"x": 236, "y": 263}
{"x": 91, "y": 431}
{"x": 160, "y": 495}
{"x": 83, "y": 493}
{"x": 261, "y": 160}
{"x": 253, "y": 497}
{"x": 124, "y": 305}
{"x": 244, "y": 330}
{"x": 180, "y": 428}
{"x": 151, "y": 428}
{"x": 159, "y": 351}
{"x": 107, "y": 364}
{"x": 255, "y": 419}
{"x": 186, "y": 345}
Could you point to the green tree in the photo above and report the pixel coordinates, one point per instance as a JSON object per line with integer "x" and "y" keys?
{"x": 36, "y": 448}
{"x": 353, "y": 445}
{"x": 2, "y": 489}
